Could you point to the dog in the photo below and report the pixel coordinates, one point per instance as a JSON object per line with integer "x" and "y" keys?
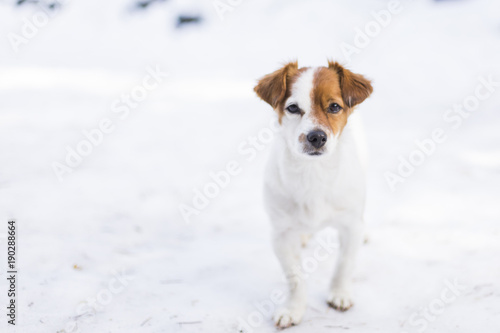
{"x": 315, "y": 175}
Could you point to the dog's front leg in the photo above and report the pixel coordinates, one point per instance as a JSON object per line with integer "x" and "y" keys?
{"x": 287, "y": 246}
{"x": 350, "y": 238}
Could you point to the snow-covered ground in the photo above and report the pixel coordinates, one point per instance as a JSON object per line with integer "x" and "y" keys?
{"x": 107, "y": 250}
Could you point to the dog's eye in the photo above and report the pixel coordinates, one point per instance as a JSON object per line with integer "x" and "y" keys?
{"x": 293, "y": 108}
{"x": 334, "y": 108}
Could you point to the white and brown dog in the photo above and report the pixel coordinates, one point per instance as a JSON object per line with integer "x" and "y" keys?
{"x": 315, "y": 177}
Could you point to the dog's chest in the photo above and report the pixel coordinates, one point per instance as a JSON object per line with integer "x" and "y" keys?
{"x": 312, "y": 188}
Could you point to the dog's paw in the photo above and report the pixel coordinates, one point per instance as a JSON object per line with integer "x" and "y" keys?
{"x": 340, "y": 300}
{"x": 288, "y": 316}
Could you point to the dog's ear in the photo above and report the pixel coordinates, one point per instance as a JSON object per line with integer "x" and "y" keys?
{"x": 272, "y": 87}
{"x": 355, "y": 87}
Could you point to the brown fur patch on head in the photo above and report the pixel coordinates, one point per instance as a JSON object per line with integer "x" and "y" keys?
{"x": 336, "y": 84}
{"x": 355, "y": 87}
{"x": 275, "y": 88}
{"x": 326, "y": 90}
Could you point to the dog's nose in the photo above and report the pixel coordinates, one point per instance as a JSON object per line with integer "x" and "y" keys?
{"x": 317, "y": 138}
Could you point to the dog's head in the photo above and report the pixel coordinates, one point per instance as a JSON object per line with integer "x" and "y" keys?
{"x": 313, "y": 104}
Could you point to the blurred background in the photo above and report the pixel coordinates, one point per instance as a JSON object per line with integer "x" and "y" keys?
{"x": 115, "y": 115}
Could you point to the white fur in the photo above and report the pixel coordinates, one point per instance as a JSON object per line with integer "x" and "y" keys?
{"x": 305, "y": 194}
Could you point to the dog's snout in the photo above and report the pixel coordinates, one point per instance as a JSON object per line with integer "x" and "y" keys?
{"x": 317, "y": 138}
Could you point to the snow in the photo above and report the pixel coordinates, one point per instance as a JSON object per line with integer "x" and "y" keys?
{"x": 117, "y": 213}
